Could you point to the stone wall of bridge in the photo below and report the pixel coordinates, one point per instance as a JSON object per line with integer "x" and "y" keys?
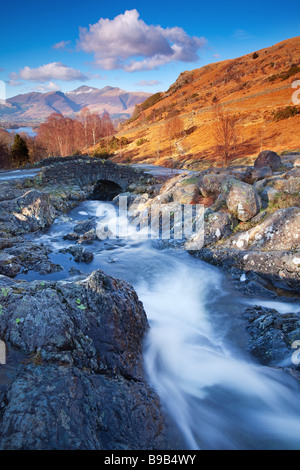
{"x": 85, "y": 171}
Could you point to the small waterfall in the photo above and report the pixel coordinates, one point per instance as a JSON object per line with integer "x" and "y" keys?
{"x": 218, "y": 400}
{"x": 217, "y": 396}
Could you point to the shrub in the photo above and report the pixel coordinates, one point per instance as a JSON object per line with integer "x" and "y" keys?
{"x": 102, "y": 154}
{"x": 255, "y": 55}
{"x": 124, "y": 141}
{"x": 285, "y": 113}
{"x": 150, "y": 101}
{"x": 114, "y": 143}
{"x": 141, "y": 141}
{"x": 293, "y": 70}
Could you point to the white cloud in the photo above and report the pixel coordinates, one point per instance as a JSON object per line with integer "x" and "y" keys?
{"x": 148, "y": 83}
{"x": 13, "y": 83}
{"x": 128, "y": 43}
{"x": 61, "y": 45}
{"x": 49, "y": 72}
{"x": 51, "y": 86}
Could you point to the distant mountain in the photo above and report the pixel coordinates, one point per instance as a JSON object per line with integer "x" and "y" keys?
{"x": 33, "y": 107}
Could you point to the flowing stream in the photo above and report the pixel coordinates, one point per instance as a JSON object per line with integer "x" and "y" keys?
{"x": 218, "y": 397}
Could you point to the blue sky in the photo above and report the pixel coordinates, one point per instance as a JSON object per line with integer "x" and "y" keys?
{"x": 134, "y": 45}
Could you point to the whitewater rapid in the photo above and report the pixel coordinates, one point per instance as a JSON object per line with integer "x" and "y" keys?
{"x": 195, "y": 358}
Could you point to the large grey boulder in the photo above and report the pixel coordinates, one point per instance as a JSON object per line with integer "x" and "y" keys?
{"x": 268, "y": 158}
{"x": 27, "y": 213}
{"x": 271, "y": 335}
{"x": 243, "y": 201}
{"x": 279, "y": 231}
{"x": 213, "y": 184}
{"x": 75, "y": 377}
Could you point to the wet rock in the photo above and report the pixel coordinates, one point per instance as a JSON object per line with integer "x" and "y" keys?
{"x": 8, "y": 265}
{"x": 24, "y": 256}
{"x": 281, "y": 267}
{"x": 88, "y": 238}
{"x": 85, "y": 226}
{"x": 72, "y": 236}
{"x": 74, "y": 271}
{"x": 268, "y": 158}
{"x": 243, "y": 201}
{"x": 272, "y": 335}
{"x": 80, "y": 254}
{"x": 83, "y": 385}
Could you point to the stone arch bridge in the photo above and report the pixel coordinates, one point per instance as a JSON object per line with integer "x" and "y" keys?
{"x": 104, "y": 179}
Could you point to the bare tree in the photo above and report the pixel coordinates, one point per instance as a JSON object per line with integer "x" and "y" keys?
{"x": 56, "y": 135}
{"x": 5, "y": 158}
{"x": 84, "y": 118}
{"x": 224, "y": 132}
{"x": 62, "y": 136}
{"x": 173, "y": 129}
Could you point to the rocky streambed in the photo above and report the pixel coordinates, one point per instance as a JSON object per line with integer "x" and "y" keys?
{"x": 91, "y": 367}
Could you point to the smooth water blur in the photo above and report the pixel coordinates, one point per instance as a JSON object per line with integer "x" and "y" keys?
{"x": 195, "y": 355}
{"x": 218, "y": 397}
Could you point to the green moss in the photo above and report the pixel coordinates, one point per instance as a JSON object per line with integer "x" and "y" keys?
{"x": 192, "y": 180}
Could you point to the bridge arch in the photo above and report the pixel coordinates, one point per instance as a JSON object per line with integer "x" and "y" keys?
{"x": 105, "y": 190}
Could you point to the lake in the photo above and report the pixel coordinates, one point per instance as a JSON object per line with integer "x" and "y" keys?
{"x": 28, "y": 130}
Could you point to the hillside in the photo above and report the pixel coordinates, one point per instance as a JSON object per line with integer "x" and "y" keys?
{"x": 256, "y": 89}
{"x": 36, "y": 106}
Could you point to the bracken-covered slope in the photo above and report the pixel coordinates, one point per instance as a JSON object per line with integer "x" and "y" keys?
{"x": 256, "y": 89}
